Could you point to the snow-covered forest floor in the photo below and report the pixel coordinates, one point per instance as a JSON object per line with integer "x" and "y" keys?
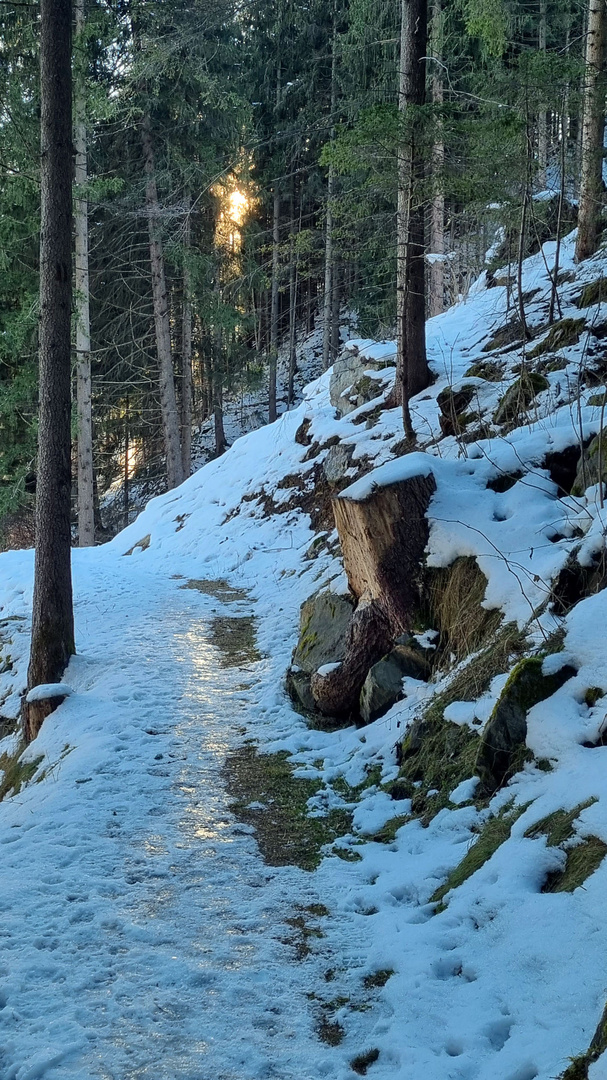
{"x": 144, "y": 931}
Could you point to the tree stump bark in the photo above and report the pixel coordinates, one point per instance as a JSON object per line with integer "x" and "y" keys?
{"x": 383, "y": 535}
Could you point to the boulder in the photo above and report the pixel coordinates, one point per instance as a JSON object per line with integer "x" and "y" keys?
{"x": 337, "y": 463}
{"x": 588, "y": 466}
{"x": 350, "y": 385}
{"x": 506, "y": 730}
{"x": 383, "y": 686}
{"x": 453, "y": 404}
{"x": 519, "y": 396}
{"x": 323, "y": 624}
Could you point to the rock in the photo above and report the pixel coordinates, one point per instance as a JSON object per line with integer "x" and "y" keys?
{"x": 588, "y": 467}
{"x": 520, "y": 395}
{"x": 323, "y": 624}
{"x": 350, "y": 387}
{"x": 453, "y": 404}
{"x": 506, "y": 731}
{"x": 298, "y": 686}
{"x": 384, "y": 683}
{"x": 336, "y": 463}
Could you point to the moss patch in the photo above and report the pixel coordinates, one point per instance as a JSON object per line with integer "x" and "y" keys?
{"x": 493, "y": 834}
{"x": 582, "y": 860}
{"x": 560, "y": 336}
{"x": 592, "y": 695}
{"x": 285, "y": 833}
{"x": 593, "y": 293}
{"x": 558, "y": 827}
{"x": 15, "y": 772}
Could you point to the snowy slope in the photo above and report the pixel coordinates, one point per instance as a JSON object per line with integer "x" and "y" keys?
{"x": 139, "y": 921}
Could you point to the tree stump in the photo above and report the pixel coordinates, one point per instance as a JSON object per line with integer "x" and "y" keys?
{"x": 383, "y": 534}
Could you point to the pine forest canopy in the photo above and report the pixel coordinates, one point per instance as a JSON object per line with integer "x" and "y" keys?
{"x": 246, "y": 172}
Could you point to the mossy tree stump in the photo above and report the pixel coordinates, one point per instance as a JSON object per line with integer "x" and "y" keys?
{"x": 383, "y": 535}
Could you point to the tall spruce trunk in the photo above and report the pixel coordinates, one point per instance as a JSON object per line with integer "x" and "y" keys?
{"x": 86, "y": 502}
{"x": 186, "y": 354}
{"x": 412, "y": 367}
{"x": 591, "y": 180}
{"x": 168, "y": 397}
{"x": 542, "y": 118}
{"x": 436, "y": 300}
{"x": 329, "y": 255}
{"x": 275, "y": 297}
{"x": 53, "y": 617}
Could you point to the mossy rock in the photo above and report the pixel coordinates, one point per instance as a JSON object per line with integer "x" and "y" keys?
{"x": 502, "y": 745}
{"x": 323, "y": 625}
{"x": 510, "y": 334}
{"x": 560, "y": 336}
{"x": 435, "y": 756}
{"x": 593, "y": 293}
{"x": 519, "y": 396}
{"x": 485, "y": 369}
{"x": 598, "y": 399}
{"x": 453, "y": 405}
{"x": 588, "y": 468}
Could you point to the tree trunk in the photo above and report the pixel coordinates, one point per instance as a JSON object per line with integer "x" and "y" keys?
{"x": 383, "y": 535}
{"x": 86, "y": 512}
{"x": 542, "y": 118}
{"x": 437, "y": 211}
{"x": 53, "y": 617}
{"x": 186, "y": 356}
{"x": 591, "y": 179}
{"x": 413, "y": 374}
{"x": 125, "y": 486}
{"x": 274, "y": 305}
{"x": 293, "y": 283}
{"x": 168, "y": 398}
{"x": 329, "y": 267}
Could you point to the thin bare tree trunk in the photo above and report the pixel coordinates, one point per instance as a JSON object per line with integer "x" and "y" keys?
{"x": 186, "y": 354}
{"x": 436, "y": 300}
{"x": 412, "y": 368}
{"x": 293, "y": 284}
{"x": 168, "y": 397}
{"x": 591, "y": 178}
{"x": 86, "y": 503}
{"x": 53, "y": 617}
{"x": 125, "y": 486}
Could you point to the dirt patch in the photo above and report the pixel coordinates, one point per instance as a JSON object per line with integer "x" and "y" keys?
{"x": 217, "y": 587}
{"x": 235, "y": 638}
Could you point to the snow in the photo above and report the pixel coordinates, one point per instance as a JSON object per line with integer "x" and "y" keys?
{"x": 48, "y": 691}
{"x": 143, "y": 934}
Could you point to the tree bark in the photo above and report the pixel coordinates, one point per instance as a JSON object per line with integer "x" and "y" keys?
{"x": 186, "y": 355}
{"x": 274, "y": 304}
{"x": 413, "y": 374}
{"x": 86, "y": 510}
{"x": 383, "y": 536}
{"x": 53, "y": 618}
{"x": 436, "y": 300}
{"x": 329, "y": 257}
{"x": 542, "y": 118}
{"x": 168, "y": 397}
{"x": 591, "y": 178}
